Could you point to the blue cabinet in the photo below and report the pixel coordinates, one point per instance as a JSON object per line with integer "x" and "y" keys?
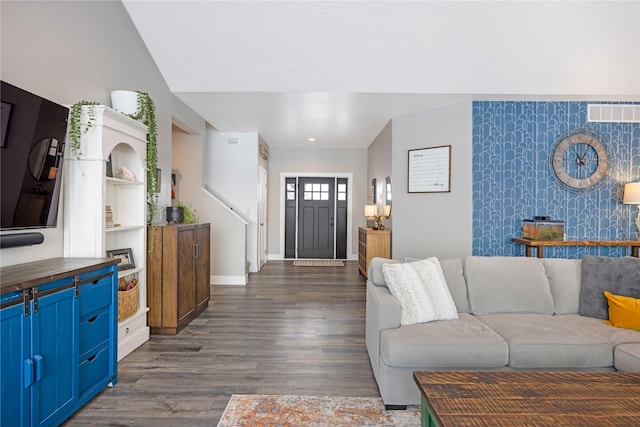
{"x": 58, "y": 338}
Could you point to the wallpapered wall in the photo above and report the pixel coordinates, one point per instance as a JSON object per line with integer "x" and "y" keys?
{"x": 512, "y": 180}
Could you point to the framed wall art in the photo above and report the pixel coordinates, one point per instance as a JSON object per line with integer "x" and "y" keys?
{"x": 430, "y": 170}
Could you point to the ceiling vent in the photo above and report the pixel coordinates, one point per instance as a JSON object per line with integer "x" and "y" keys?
{"x": 613, "y": 113}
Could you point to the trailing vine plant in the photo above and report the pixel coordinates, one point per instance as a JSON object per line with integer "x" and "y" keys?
{"x": 75, "y": 130}
{"x": 146, "y": 114}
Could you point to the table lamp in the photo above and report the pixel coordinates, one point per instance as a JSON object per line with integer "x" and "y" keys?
{"x": 370, "y": 211}
{"x": 632, "y": 197}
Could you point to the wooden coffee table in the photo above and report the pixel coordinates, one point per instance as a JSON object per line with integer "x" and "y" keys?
{"x": 507, "y": 398}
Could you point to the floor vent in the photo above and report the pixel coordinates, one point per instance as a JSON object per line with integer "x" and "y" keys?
{"x": 613, "y": 113}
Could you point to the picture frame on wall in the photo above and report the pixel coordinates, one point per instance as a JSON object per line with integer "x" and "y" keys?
{"x": 374, "y": 189}
{"x": 430, "y": 170}
{"x": 125, "y": 257}
{"x": 174, "y": 185}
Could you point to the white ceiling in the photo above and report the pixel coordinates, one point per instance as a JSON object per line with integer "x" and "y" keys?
{"x": 338, "y": 71}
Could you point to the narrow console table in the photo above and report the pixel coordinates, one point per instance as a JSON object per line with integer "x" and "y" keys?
{"x": 539, "y": 245}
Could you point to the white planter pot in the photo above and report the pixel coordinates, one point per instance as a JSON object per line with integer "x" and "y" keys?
{"x": 125, "y": 101}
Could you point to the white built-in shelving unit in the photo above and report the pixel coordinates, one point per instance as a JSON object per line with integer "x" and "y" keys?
{"x": 121, "y": 141}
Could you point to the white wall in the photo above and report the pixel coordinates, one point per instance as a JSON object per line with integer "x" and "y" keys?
{"x": 70, "y": 51}
{"x": 232, "y": 171}
{"x": 227, "y": 251}
{"x": 433, "y": 224}
{"x": 306, "y": 161}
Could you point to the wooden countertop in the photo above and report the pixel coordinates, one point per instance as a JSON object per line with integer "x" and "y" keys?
{"x": 23, "y": 276}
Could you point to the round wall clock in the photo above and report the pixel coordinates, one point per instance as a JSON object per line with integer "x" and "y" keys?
{"x": 579, "y": 159}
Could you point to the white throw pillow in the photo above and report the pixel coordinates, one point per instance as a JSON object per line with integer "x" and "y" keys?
{"x": 422, "y": 291}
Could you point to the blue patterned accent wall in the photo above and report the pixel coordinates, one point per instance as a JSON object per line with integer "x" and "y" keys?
{"x": 512, "y": 180}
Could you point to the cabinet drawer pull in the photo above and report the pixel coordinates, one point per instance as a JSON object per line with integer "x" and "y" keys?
{"x": 28, "y": 372}
{"x": 37, "y": 359}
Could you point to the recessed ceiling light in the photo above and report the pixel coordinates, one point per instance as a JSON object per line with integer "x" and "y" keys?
{"x": 311, "y": 139}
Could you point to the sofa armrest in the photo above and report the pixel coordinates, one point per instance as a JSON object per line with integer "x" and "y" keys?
{"x": 382, "y": 312}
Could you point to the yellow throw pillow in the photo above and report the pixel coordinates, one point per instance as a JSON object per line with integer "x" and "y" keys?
{"x": 624, "y": 312}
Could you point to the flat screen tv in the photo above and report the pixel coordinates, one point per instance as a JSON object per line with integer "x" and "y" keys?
{"x": 31, "y": 158}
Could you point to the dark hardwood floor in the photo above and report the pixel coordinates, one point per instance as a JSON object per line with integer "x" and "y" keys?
{"x": 291, "y": 330}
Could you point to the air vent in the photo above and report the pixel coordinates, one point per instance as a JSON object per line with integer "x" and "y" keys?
{"x": 613, "y": 113}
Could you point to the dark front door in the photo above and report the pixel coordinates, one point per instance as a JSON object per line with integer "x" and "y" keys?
{"x": 316, "y": 217}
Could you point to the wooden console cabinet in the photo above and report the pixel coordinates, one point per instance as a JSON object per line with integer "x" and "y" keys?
{"x": 372, "y": 243}
{"x": 178, "y": 273}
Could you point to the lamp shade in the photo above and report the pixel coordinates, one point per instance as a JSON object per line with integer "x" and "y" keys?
{"x": 631, "y": 193}
{"x": 370, "y": 210}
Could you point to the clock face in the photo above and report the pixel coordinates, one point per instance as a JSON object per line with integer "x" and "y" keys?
{"x": 579, "y": 160}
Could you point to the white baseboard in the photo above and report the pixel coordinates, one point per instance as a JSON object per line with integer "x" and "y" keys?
{"x": 229, "y": 280}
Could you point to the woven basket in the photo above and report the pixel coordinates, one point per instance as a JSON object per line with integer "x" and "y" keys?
{"x": 127, "y": 303}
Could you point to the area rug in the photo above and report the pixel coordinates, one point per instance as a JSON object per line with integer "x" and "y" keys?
{"x": 318, "y": 263}
{"x": 316, "y": 411}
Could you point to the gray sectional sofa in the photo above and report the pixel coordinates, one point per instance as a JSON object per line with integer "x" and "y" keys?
{"x": 514, "y": 313}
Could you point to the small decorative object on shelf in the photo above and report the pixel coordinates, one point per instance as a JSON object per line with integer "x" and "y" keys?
{"x": 125, "y": 256}
{"x": 378, "y": 225}
{"x": 109, "y": 217}
{"x": 175, "y": 214}
{"x": 543, "y": 228}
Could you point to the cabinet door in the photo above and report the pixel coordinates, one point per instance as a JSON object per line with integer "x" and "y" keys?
{"x": 14, "y": 342}
{"x": 186, "y": 288}
{"x": 54, "y": 329}
{"x": 203, "y": 291}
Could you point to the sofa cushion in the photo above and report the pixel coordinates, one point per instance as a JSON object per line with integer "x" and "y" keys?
{"x": 626, "y": 357}
{"x": 539, "y": 341}
{"x": 507, "y": 285}
{"x": 454, "y": 275}
{"x": 375, "y": 275}
{"x": 620, "y": 276}
{"x": 464, "y": 343}
{"x": 624, "y": 312}
{"x": 452, "y": 269}
{"x": 615, "y": 335}
{"x": 422, "y": 291}
{"x": 564, "y": 277}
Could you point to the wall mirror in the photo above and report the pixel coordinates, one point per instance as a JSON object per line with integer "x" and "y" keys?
{"x": 387, "y": 197}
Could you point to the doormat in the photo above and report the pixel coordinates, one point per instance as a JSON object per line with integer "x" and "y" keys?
{"x": 318, "y": 263}
{"x": 316, "y": 411}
